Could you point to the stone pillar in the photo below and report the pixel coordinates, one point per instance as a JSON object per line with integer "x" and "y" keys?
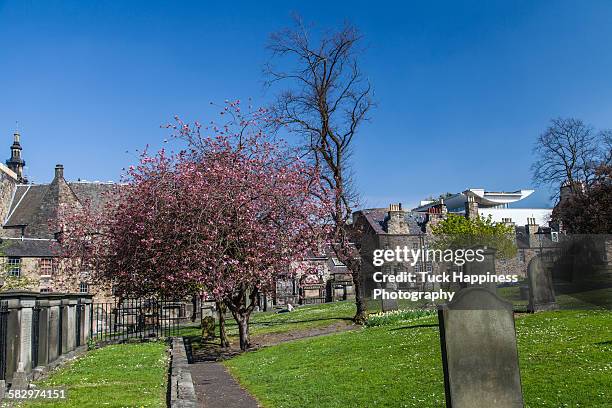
{"x": 25, "y": 330}
{"x": 72, "y": 322}
{"x": 12, "y": 338}
{"x": 19, "y": 331}
{"x": 65, "y": 312}
{"x": 86, "y": 319}
{"x": 54, "y": 339}
{"x": 43, "y": 332}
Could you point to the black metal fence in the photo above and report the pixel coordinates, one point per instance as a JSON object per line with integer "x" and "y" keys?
{"x": 3, "y": 334}
{"x": 136, "y": 318}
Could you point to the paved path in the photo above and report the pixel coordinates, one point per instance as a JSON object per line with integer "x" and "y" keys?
{"x": 216, "y": 388}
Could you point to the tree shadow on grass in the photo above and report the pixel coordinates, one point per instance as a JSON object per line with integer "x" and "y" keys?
{"x": 416, "y": 326}
{"x": 270, "y": 324}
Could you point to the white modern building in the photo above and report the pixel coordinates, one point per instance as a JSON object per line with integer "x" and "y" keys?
{"x": 495, "y": 204}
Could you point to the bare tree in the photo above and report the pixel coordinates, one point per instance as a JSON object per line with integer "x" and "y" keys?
{"x": 326, "y": 99}
{"x": 568, "y": 152}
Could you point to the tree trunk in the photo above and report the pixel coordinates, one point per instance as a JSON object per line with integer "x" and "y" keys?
{"x": 361, "y": 314}
{"x": 243, "y": 328}
{"x": 194, "y": 304}
{"x": 241, "y": 305}
{"x": 222, "y": 333}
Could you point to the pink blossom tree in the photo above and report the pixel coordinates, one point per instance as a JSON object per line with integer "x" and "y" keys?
{"x": 226, "y": 217}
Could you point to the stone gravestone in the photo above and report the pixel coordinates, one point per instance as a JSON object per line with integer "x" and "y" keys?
{"x": 541, "y": 289}
{"x": 208, "y": 322}
{"x": 487, "y": 266}
{"x": 390, "y": 287}
{"x": 479, "y": 353}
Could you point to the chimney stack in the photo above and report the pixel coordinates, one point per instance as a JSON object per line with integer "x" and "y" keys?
{"x": 396, "y": 220}
{"x": 59, "y": 171}
{"x": 471, "y": 207}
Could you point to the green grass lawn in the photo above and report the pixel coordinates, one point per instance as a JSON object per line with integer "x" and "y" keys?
{"x": 301, "y": 318}
{"x": 565, "y": 360}
{"x": 592, "y": 299}
{"x": 123, "y": 375}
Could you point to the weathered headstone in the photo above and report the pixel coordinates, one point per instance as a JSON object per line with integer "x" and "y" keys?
{"x": 479, "y": 352}
{"x": 541, "y": 289}
{"x": 486, "y": 267}
{"x": 389, "y": 304}
{"x": 207, "y": 322}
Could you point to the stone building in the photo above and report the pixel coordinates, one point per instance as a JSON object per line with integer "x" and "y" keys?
{"x": 388, "y": 228}
{"x": 28, "y": 211}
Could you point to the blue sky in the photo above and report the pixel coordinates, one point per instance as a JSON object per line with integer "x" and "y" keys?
{"x": 463, "y": 88}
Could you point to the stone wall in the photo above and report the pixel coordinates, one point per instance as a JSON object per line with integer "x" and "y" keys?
{"x": 39, "y": 330}
{"x": 8, "y": 183}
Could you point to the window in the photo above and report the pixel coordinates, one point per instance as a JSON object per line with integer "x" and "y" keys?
{"x": 554, "y": 236}
{"x": 506, "y": 220}
{"x": 46, "y": 266}
{"x": 83, "y": 287}
{"x": 45, "y": 290}
{"x": 14, "y": 266}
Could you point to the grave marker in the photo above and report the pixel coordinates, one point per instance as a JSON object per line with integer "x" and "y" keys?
{"x": 541, "y": 289}
{"x": 479, "y": 352}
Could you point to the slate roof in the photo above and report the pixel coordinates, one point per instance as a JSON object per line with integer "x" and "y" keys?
{"x": 94, "y": 193}
{"x": 28, "y": 248}
{"x": 34, "y": 206}
{"x": 377, "y": 219}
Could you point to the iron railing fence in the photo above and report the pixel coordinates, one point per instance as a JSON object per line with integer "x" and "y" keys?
{"x": 136, "y": 318}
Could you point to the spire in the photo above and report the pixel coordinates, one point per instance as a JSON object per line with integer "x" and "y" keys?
{"x": 16, "y": 163}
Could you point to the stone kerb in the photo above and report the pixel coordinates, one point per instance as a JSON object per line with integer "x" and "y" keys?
{"x": 182, "y": 390}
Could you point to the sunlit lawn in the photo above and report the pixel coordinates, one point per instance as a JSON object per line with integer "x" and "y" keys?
{"x": 123, "y": 375}
{"x": 565, "y": 360}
